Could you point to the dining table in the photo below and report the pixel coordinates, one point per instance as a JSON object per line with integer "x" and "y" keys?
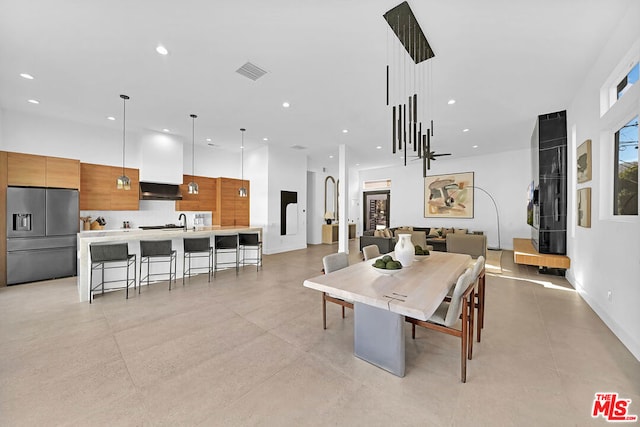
{"x": 382, "y": 299}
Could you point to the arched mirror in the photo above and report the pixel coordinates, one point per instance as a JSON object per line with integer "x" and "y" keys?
{"x": 330, "y": 199}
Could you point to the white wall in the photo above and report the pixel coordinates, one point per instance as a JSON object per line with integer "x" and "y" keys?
{"x": 606, "y": 257}
{"x": 161, "y": 158}
{"x": 505, "y": 176}
{"x": 256, "y": 169}
{"x": 287, "y": 171}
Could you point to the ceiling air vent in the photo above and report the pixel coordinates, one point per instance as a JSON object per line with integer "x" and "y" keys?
{"x": 298, "y": 147}
{"x": 251, "y": 71}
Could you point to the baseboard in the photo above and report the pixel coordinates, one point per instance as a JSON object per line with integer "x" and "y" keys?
{"x": 284, "y": 249}
{"x": 627, "y": 340}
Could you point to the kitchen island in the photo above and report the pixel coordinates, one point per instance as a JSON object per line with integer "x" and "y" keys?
{"x": 133, "y": 236}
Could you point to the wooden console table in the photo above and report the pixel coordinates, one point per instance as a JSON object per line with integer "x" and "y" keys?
{"x": 525, "y": 253}
{"x": 330, "y": 232}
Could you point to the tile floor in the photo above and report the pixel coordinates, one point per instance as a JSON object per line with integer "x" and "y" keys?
{"x": 250, "y": 350}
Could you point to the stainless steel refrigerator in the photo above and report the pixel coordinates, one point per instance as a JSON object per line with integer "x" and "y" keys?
{"x": 42, "y": 224}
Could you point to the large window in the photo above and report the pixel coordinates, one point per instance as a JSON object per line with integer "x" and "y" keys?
{"x": 625, "y": 185}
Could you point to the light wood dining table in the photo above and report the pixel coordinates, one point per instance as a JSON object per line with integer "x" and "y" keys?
{"x": 381, "y": 301}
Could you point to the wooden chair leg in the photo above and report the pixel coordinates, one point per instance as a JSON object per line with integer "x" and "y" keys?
{"x": 343, "y": 311}
{"x": 471, "y": 319}
{"x": 324, "y": 311}
{"x": 463, "y": 354}
{"x": 413, "y": 331}
{"x": 481, "y": 292}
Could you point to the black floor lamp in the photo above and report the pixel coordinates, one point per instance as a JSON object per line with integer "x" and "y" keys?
{"x": 496, "y": 208}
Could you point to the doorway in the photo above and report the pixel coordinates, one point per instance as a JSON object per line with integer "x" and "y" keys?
{"x": 376, "y": 205}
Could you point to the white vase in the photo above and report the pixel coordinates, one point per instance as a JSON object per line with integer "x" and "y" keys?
{"x": 405, "y": 250}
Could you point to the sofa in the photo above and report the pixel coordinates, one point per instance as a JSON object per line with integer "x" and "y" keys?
{"x": 423, "y": 236}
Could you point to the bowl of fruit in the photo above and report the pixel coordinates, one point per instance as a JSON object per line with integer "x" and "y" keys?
{"x": 387, "y": 265}
{"x": 421, "y": 253}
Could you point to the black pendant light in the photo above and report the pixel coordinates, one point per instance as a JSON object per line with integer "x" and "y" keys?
{"x": 242, "y": 191}
{"x": 123, "y": 182}
{"x": 192, "y": 187}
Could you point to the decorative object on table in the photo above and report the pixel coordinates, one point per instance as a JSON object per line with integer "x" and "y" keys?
{"x": 420, "y": 251}
{"x": 86, "y": 222}
{"x": 405, "y": 108}
{"x": 387, "y": 265}
{"x": 123, "y": 182}
{"x": 328, "y": 217}
{"x": 242, "y": 191}
{"x": 404, "y": 250}
{"x": 192, "y": 187}
{"x": 288, "y": 213}
{"x": 584, "y": 161}
{"x": 449, "y": 196}
{"x": 584, "y": 207}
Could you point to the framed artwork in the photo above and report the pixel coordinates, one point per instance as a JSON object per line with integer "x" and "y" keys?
{"x": 288, "y": 213}
{"x": 449, "y": 196}
{"x": 584, "y": 207}
{"x": 583, "y": 157}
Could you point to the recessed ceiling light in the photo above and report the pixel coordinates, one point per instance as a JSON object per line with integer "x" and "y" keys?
{"x": 379, "y": 147}
{"x": 475, "y": 146}
{"x": 166, "y": 130}
{"x": 286, "y": 104}
{"x": 465, "y": 130}
{"x": 34, "y": 101}
{"x": 111, "y": 118}
{"x": 162, "y": 50}
{"x": 357, "y": 164}
{"x": 208, "y": 140}
{"x": 451, "y": 101}
{"x": 345, "y": 130}
{"x": 265, "y": 139}
{"x": 26, "y": 76}
{"x": 331, "y": 157}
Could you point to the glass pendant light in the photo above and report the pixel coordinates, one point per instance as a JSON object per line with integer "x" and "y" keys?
{"x": 242, "y": 191}
{"x": 123, "y": 182}
{"x": 193, "y": 186}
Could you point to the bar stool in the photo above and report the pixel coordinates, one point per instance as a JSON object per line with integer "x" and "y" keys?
{"x": 199, "y": 247}
{"x": 251, "y": 241}
{"x": 111, "y": 253}
{"x": 225, "y": 243}
{"x": 154, "y": 252}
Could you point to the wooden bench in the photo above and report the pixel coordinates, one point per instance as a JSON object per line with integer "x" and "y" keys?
{"x": 525, "y": 253}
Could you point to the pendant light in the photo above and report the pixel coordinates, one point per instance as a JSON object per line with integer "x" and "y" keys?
{"x": 242, "y": 192}
{"x": 193, "y": 186}
{"x": 123, "y": 182}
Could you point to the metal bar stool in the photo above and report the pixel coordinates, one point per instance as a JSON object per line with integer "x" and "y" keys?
{"x": 154, "y": 252}
{"x": 251, "y": 241}
{"x": 225, "y": 243}
{"x": 199, "y": 247}
{"x": 111, "y": 253}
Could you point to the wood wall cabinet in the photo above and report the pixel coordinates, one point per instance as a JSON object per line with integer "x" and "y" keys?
{"x": 330, "y": 232}
{"x": 40, "y": 171}
{"x": 231, "y": 208}
{"x": 98, "y": 188}
{"x": 205, "y": 200}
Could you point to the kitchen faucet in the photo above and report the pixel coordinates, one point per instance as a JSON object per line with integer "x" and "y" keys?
{"x": 184, "y": 226}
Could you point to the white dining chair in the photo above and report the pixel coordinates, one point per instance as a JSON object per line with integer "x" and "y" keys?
{"x": 333, "y": 263}
{"x": 371, "y": 251}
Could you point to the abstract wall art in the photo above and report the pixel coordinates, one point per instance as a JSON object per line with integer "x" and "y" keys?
{"x": 288, "y": 213}
{"x": 449, "y": 196}
{"x": 583, "y": 158}
{"x": 584, "y": 207}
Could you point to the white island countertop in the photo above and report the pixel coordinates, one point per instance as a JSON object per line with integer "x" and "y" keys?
{"x": 133, "y": 236}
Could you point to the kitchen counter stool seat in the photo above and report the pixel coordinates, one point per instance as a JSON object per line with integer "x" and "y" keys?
{"x": 199, "y": 247}
{"x": 117, "y": 256}
{"x": 225, "y": 243}
{"x": 156, "y": 252}
{"x": 250, "y": 241}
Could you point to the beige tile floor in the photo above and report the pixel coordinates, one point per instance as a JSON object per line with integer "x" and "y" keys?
{"x": 250, "y": 350}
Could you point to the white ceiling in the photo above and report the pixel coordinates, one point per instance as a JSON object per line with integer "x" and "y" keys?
{"x": 503, "y": 61}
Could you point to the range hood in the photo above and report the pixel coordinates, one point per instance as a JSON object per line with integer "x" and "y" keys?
{"x": 156, "y": 191}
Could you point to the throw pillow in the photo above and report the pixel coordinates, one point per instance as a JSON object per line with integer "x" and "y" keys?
{"x": 446, "y": 231}
{"x": 378, "y": 233}
{"x": 460, "y": 230}
{"x": 387, "y": 233}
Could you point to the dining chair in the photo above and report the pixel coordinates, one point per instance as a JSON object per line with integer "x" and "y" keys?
{"x": 371, "y": 251}
{"x": 479, "y": 276}
{"x": 333, "y": 263}
{"x": 447, "y": 315}
{"x": 474, "y": 245}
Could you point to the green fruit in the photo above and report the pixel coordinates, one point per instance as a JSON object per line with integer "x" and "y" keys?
{"x": 398, "y": 265}
{"x": 386, "y": 259}
{"x": 380, "y": 264}
{"x": 393, "y": 265}
{"x": 418, "y": 248}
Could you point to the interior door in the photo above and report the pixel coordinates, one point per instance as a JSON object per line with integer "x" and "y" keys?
{"x": 376, "y": 206}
